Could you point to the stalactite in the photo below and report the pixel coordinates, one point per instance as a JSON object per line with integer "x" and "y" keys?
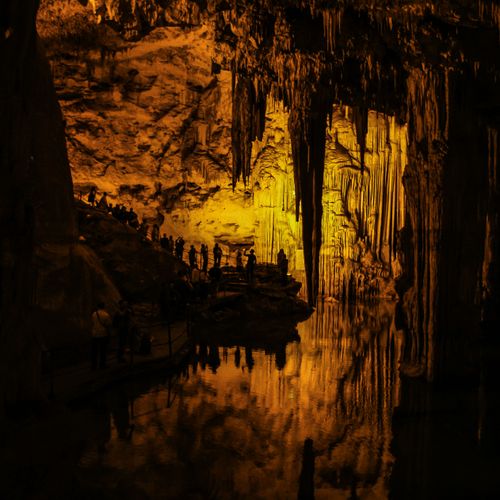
{"x": 248, "y": 123}
{"x": 241, "y": 128}
{"x": 360, "y": 118}
{"x": 307, "y": 127}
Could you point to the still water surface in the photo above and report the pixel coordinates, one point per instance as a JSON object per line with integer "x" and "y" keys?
{"x": 235, "y": 423}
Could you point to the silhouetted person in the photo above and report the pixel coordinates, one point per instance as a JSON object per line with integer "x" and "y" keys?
{"x": 143, "y": 229}
{"x": 204, "y": 257}
{"x": 121, "y": 323}
{"x": 123, "y": 215}
{"x": 192, "y": 257}
{"x": 281, "y": 256}
{"x": 171, "y": 244}
{"x": 251, "y": 263}
{"x": 101, "y": 323}
{"x": 131, "y": 218}
{"x": 155, "y": 233}
{"x": 160, "y": 218}
{"x": 179, "y": 247}
{"x": 103, "y": 202}
{"x": 120, "y": 412}
{"x": 239, "y": 261}
{"x": 100, "y": 424}
{"x": 116, "y": 211}
{"x": 217, "y": 255}
{"x": 92, "y": 195}
{"x": 284, "y": 269}
{"x": 164, "y": 242}
{"x": 306, "y": 481}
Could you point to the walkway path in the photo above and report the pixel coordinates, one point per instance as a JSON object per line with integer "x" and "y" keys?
{"x": 79, "y": 380}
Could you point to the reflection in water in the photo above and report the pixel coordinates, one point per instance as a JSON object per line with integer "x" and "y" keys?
{"x": 306, "y": 482}
{"x": 311, "y": 420}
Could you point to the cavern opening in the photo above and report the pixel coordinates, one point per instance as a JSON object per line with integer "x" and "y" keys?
{"x": 151, "y": 150}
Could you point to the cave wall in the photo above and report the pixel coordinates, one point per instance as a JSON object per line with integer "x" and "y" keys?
{"x": 36, "y": 194}
{"x": 49, "y": 282}
{"x": 150, "y": 113}
{"x": 450, "y": 184}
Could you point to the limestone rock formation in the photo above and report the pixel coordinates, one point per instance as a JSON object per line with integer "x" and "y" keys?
{"x": 161, "y": 100}
{"x": 412, "y": 62}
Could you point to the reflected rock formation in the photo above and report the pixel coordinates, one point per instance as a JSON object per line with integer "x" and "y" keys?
{"x": 240, "y": 432}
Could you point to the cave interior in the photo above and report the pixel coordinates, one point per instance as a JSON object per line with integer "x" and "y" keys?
{"x": 361, "y": 136}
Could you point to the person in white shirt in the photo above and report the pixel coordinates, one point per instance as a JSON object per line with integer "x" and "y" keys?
{"x": 101, "y": 325}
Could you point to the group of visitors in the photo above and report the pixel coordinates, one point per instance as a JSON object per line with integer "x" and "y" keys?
{"x": 122, "y": 214}
{"x": 192, "y": 284}
{"x": 196, "y": 282}
{"x": 128, "y": 216}
{"x": 217, "y": 259}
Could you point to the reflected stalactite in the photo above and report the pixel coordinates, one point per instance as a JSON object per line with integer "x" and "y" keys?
{"x": 306, "y": 482}
{"x": 397, "y": 61}
{"x": 379, "y": 71}
{"x": 337, "y": 389}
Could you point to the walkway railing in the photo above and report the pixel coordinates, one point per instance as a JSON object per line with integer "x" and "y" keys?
{"x": 57, "y": 362}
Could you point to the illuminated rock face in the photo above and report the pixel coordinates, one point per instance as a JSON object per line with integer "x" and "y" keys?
{"x": 152, "y": 112}
{"x": 419, "y": 63}
{"x": 363, "y": 209}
